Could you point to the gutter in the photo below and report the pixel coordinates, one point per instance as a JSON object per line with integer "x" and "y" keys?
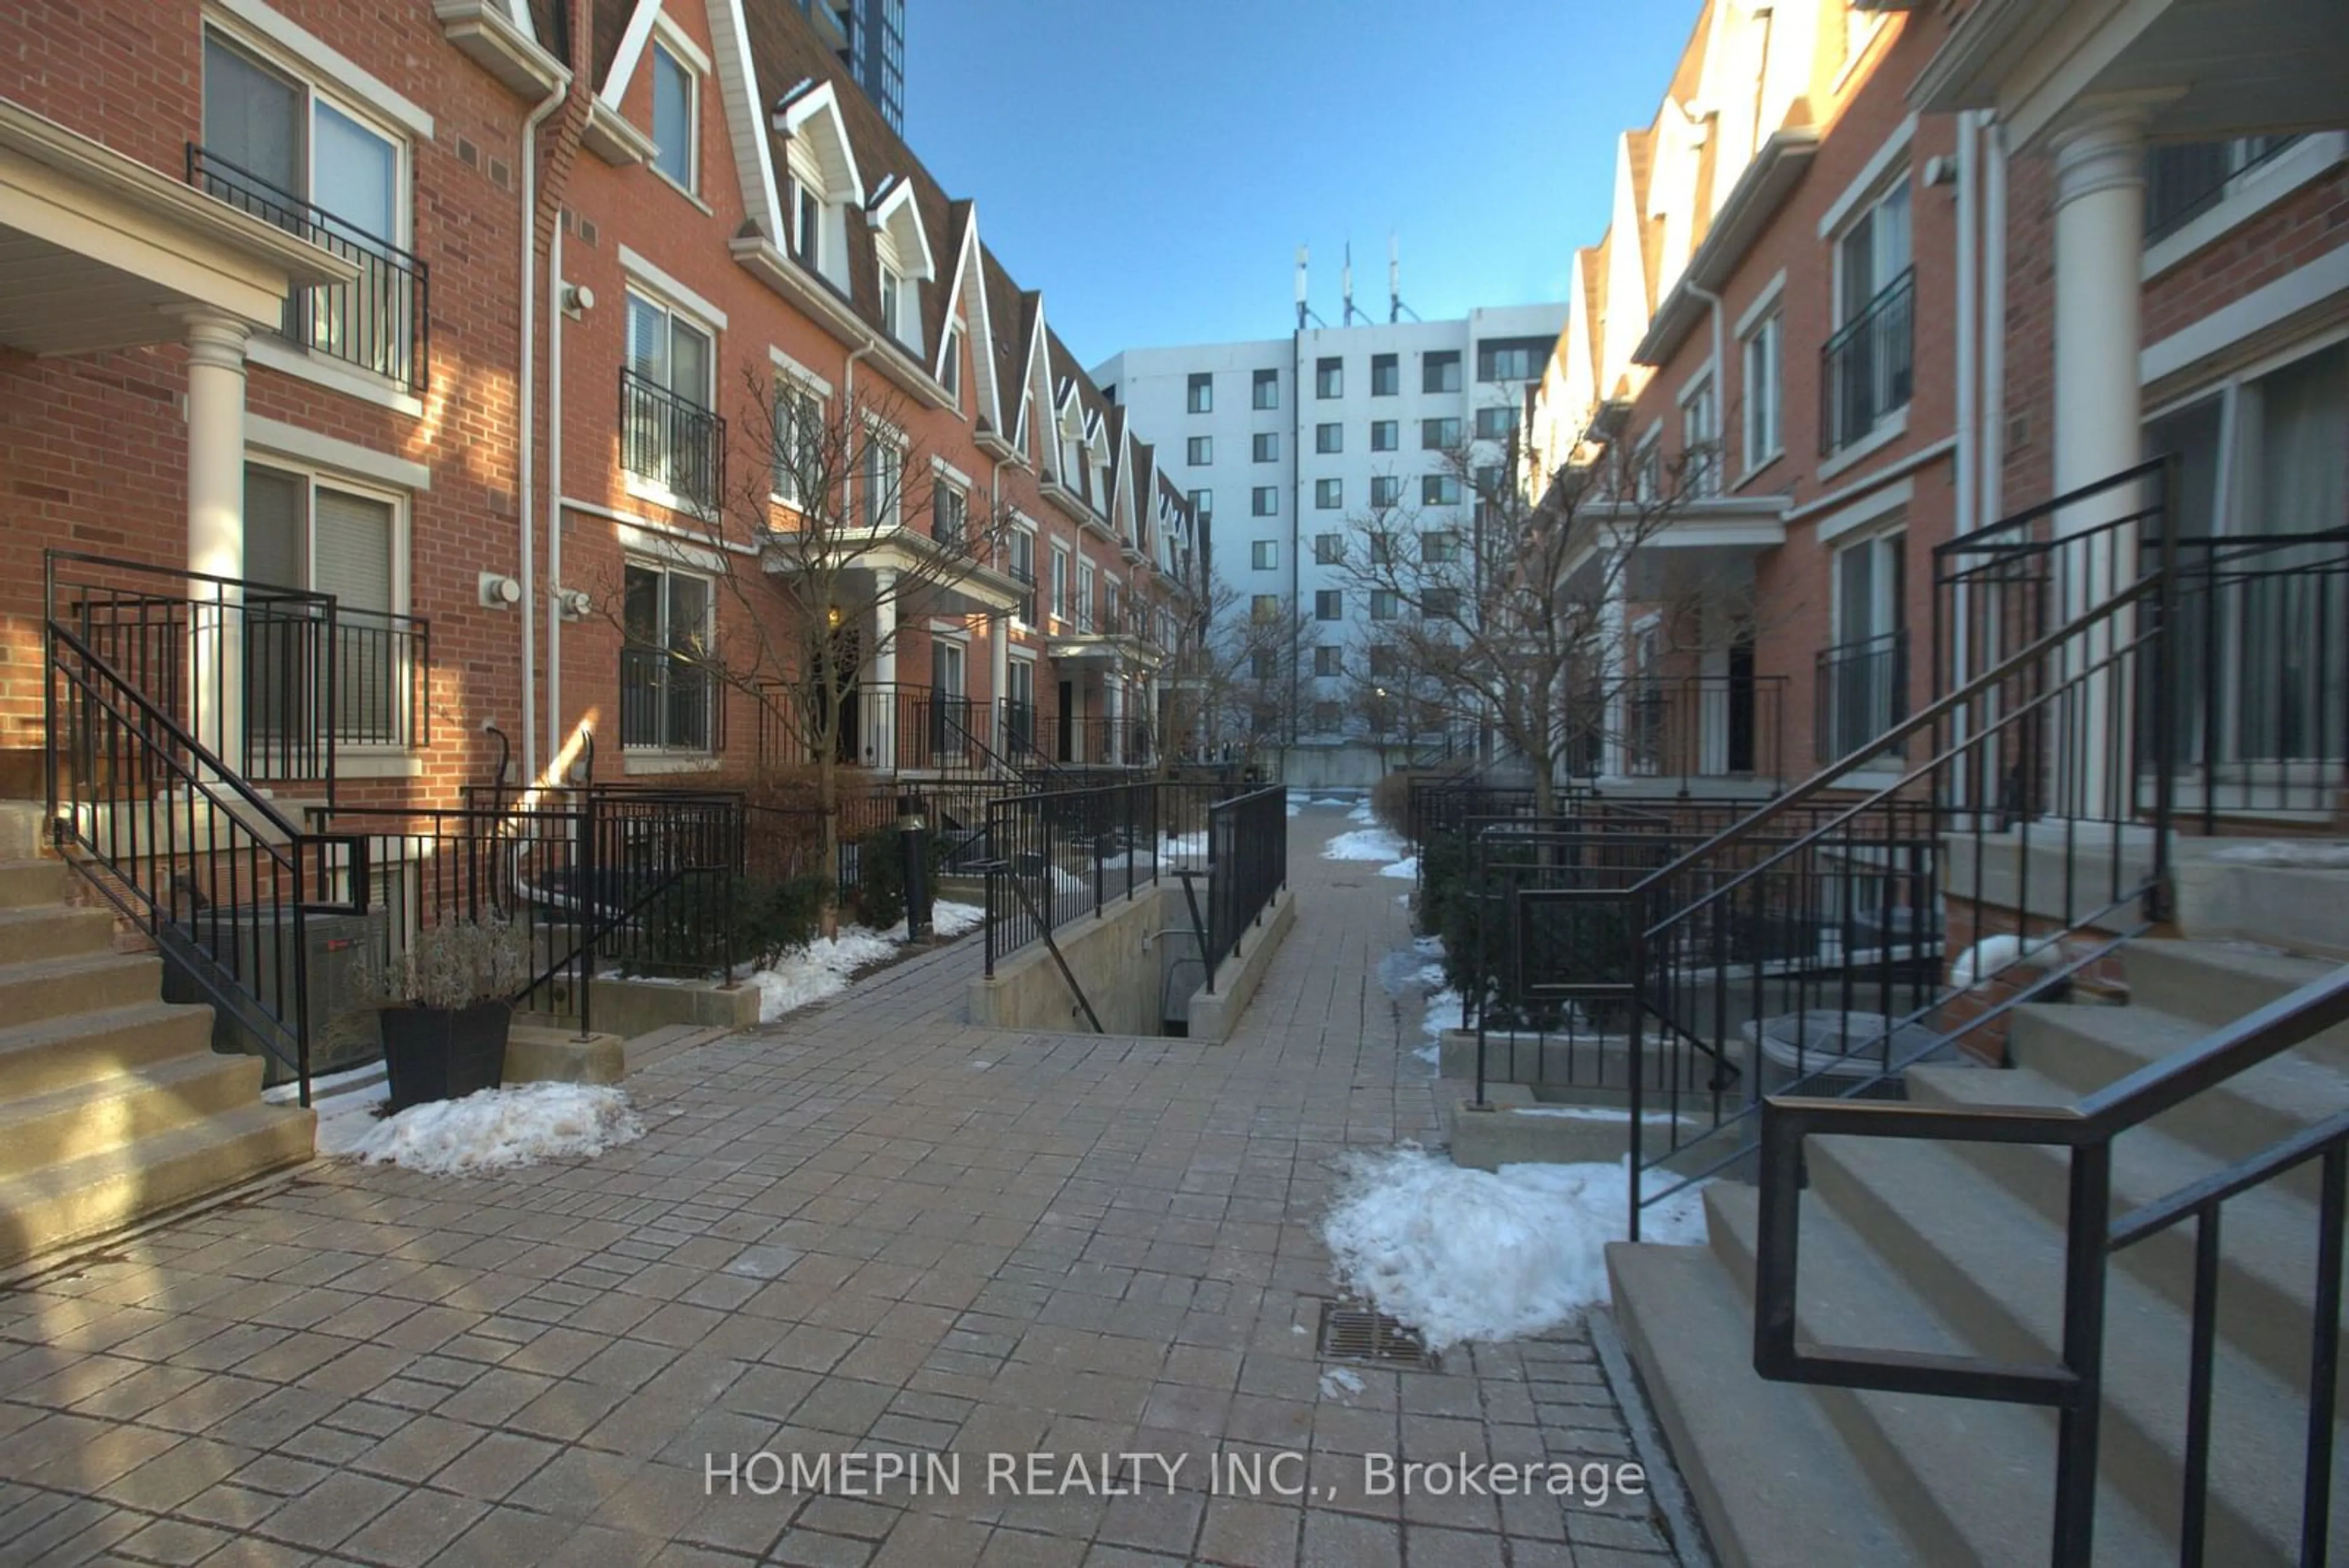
{"x": 527, "y": 413}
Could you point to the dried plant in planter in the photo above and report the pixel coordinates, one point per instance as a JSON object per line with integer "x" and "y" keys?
{"x": 445, "y": 1007}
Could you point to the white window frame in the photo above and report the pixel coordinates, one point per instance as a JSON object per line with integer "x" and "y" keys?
{"x": 1329, "y": 494}
{"x": 1702, "y": 472}
{"x": 792, "y": 393}
{"x": 1056, "y": 609}
{"x": 1762, "y": 422}
{"x": 950, "y": 361}
{"x": 668, "y": 39}
{"x": 880, "y": 438}
{"x": 1264, "y": 554}
{"x": 1025, "y": 532}
{"x": 1259, "y": 497}
{"x": 1088, "y": 592}
{"x": 668, "y": 568}
{"x": 646, "y": 487}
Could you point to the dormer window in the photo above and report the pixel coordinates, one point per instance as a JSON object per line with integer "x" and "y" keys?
{"x": 894, "y": 307}
{"x": 904, "y": 252}
{"x": 824, "y": 182}
{"x": 677, "y": 106}
{"x": 807, "y": 225}
{"x": 950, "y": 366}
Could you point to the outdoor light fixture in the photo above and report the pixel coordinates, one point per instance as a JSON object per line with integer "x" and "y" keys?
{"x": 832, "y": 615}
{"x": 499, "y": 591}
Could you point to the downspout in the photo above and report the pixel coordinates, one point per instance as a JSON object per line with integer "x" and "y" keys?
{"x": 1988, "y": 496}
{"x": 525, "y": 498}
{"x": 555, "y": 288}
{"x": 1968, "y": 328}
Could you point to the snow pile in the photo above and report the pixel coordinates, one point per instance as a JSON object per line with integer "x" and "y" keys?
{"x": 495, "y": 1129}
{"x": 1364, "y": 844}
{"x": 820, "y": 971}
{"x": 1330, "y": 800}
{"x": 2300, "y": 857}
{"x": 1295, "y": 806}
{"x": 1982, "y": 962}
{"x": 1405, "y": 869}
{"x": 947, "y": 918}
{"x": 1472, "y": 1254}
{"x": 1338, "y": 1381}
{"x": 1361, "y": 812}
{"x": 1193, "y": 844}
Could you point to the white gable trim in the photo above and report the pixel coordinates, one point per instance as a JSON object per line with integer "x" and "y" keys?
{"x": 835, "y": 160}
{"x": 631, "y": 52}
{"x": 737, "y": 92}
{"x": 898, "y": 216}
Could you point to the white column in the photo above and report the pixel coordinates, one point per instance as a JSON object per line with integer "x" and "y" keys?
{"x": 2099, "y": 412}
{"x": 1114, "y": 687}
{"x": 883, "y": 724}
{"x": 216, "y": 521}
{"x": 1611, "y": 667}
{"x": 998, "y": 676}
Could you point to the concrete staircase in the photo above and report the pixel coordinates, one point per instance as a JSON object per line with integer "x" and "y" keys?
{"x": 1958, "y": 1248}
{"x": 113, "y": 1106}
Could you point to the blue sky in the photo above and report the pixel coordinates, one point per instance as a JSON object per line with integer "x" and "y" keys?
{"x": 1153, "y": 165}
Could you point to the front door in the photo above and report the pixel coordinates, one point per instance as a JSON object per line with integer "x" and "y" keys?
{"x": 1068, "y": 722}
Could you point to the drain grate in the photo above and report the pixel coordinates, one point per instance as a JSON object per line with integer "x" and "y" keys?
{"x": 1352, "y": 1333}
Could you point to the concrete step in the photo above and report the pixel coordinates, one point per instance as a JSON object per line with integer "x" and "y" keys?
{"x": 1966, "y": 1481}
{"x": 24, "y": 829}
{"x": 1772, "y": 1478}
{"x": 86, "y": 982}
{"x": 107, "y": 1113}
{"x": 2269, "y": 1257}
{"x": 2216, "y": 983}
{"x": 25, "y": 883}
{"x": 101, "y": 1192}
{"x": 59, "y": 1053}
{"x": 31, "y": 932}
{"x": 1898, "y": 1217}
{"x": 2086, "y": 1048}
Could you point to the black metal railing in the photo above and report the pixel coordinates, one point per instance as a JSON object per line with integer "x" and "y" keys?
{"x": 275, "y": 679}
{"x": 1867, "y": 368}
{"x": 2184, "y": 181}
{"x": 673, "y": 441}
{"x": 381, "y": 321}
{"x": 1861, "y": 694}
{"x": 1247, "y": 839}
{"x": 1686, "y": 728}
{"x": 1020, "y": 733}
{"x": 670, "y": 701}
{"x": 2072, "y": 1382}
{"x": 1059, "y": 855}
{"x": 202, "y": 864}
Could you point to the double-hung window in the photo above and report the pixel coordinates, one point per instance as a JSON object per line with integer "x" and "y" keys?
{"x": 669, "y": 436}
{"x": 677, "y": 116}
{"x": 279, "y": 148}
{"x": 315, "y": 535}
{"x": 1023, "y": 571}
{"x": 667, "y": 690}
{"x": 799, "y": 444}
{"x": 1700, "y": 440}
{"x": 882, "y": 481}
{"x": 1868, "y": 363}
{"x": 1763, "y": 438}
{"x": 1864, "y": 677}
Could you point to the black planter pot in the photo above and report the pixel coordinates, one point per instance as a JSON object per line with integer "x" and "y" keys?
{"x": 443, "y": 1053}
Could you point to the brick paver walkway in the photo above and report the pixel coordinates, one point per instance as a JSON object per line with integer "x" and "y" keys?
{"x": 869, "y": 1230}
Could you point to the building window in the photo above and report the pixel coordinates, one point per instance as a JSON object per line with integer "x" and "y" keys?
{"x": 2184, "y": 181}
{"x": 1264, "y": 607}
{"x": 1202, "y": 395}
{"x": 1386, "y": 435}
{"x": 1384, "y": 659}
{"x": 1386, "y": 489}
{"x": 1439, "y": 435}
{"x": 315, "y": 535}
{"x": 1329, "y": 549}
{"x": 884, "y": 467}
{"x": 1511, "y": 358}
{"x": 1762, "y": 440}
{"x": 1439, "y": 604}
{"x": 1329, "y": 494}
{"x": 950, "y": 516}
{"x": 668, "y": 434}
{"x": 1648, "y": 471}
{"x": 1386, "y": 375}
{"x": 1328, "y": 718}
{"x": 1264, "y": 501}
{"x": 1061, "y": 586}
{"x": 667, "y": 687}
{"x": 1700, "y": 440}
{"x": 1086, "y": 604}
{"x": 950, "y": 368}
{"x": 1330, "y": 377}
{"x": 1440, "y": 372}
{"x": 275, "y": 146}
{"x": 1328, "y": 438}
{"x": 1330, "y": 604}
{"x": 1383, "y": 604}
{"x": 1203, "y": 504}
{"x": 1264, "y": 554}
{"x": 1265, "y": 447}
{"x": 1264, "y": 389}
{"x": 1328, "y": 661}
{"x": 1023, "y": 571}
{"x": 1497, "y": 422}
{"x": 1199, "y": 450}
{"x": 677, "y": 113}
{"x": 1864, "y": 677}
{"x": 1867, "y": 365}
{"x": 807, "y": 224}
{"x": 1383, "y": 548}
{"x": 799, "y": 435}
{"x": 1439, "y": 545}
{"x": 1439, "y": 489}
{"x": 898, "y": 312}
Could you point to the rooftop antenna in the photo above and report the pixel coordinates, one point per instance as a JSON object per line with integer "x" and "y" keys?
{"x": 1304, "y": 312}
{"x": 1395, "y": 306}
{"x": 1347, "y": 283}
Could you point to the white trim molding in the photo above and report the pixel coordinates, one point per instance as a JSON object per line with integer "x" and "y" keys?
{"x": 1866, "y": 183}
{"x": 321, "y": 60}
{"x": 2268, "y": 306}
{"x": 1868, "y": 509}
{"x": 268, "y": 435}
{"x": 659, "y": 282}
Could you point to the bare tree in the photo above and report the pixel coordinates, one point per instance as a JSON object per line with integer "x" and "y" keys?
{"x": 1513, "y": 621}
{"x": 826, "y": 527}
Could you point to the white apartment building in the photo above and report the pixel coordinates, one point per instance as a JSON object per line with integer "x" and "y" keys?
{"x": 1284, "y": 443}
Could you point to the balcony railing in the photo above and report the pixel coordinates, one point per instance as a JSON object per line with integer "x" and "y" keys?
{"x": 1866, "y": 370}
{"x": 672, "y": 442}
{"x": 1684, "y": 728}
{"x": 381, "y": 321}
{"x": 1863, "y": 693}
{"x": 669, "y": 702}
{"x": 2184, "y": 182}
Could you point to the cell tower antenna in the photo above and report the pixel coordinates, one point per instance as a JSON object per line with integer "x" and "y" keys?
{"x": 1304, "y": 312}
{"x": 1348, "y": 283}
{"x": 1395, "y": 306}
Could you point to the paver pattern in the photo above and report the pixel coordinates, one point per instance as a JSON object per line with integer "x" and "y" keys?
{"x": 869, "y": 1229}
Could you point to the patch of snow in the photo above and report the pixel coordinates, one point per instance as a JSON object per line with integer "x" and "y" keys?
{"x": 1338, "y": 1381}
{"x": 1982, "y": 962}
{"x": 1330, "y": 800}
{"x": 1297, "y": 1328}
{"x": 1485, "y": 1255}
{"x": 1187, "y": 844}
{"x": 1404, "y": 870}
{"x": 1430, "y": 1054}
{"x": 1361, "y": 812}
{"x": 495, "y": 1129}
{"x": 820, "y": 971}
{"x": 1295, "y": 808}
{"x": 2306, "y": 857}
{"x": 1443, "y": 1012}
{"x": 1585, "y": 1113}
{"x": 1364, "y": 844}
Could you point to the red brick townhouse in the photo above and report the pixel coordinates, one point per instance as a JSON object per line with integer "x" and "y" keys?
{"x": 398, "y": 400}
